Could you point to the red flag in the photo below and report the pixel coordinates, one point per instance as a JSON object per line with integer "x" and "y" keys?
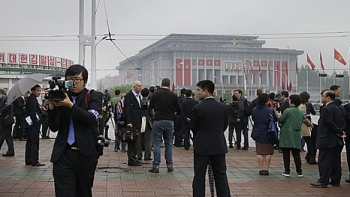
{"x": 260, "y": 74}
{"x": 322, "y": 66}
{"x": 277, "y": 72}
{"x": 289, "y": 88}
{"x": 283, "y": 86}
{"x": 296, "y": 66}
{"x": 310, "y": 62}
{"x": 338, "y": 57}
{"x": 251, "y": 71}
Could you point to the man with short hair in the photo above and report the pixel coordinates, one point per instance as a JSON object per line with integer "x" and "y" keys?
{"x": 285, "y": 101}
{"x": 209, "y": 120}
{"x": 76, "y": 151}
{"x": 242, "y": 122}
{"x": 165, "y": 104}
{"x": 187, "y": 106}
{"x": 329, "y": 141}
{"x": 133, "y": 116}
{"x": 32, "y": 132}
{"x": 337, "y": 92}
{"x": 256, "y": 100}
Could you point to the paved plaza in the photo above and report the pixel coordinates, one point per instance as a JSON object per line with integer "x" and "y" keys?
{"x": 114, "y": 178}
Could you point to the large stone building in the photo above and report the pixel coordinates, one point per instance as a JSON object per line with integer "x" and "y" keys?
{"x": 230, "y": 61}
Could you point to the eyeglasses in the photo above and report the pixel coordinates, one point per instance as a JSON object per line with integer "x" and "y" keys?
{"x": 74, "y": 79}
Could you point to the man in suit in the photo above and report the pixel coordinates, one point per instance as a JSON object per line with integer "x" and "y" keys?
{"x": 187, "y": 105}
{"x": 75, "y": 152}
{"x": 285, "y": 101}
{"x": 165, "y": 104}
{"x": 329, "y": 141}
{"x": 209, "y": 120}
{"x": 19, "y": 113}
{"x": 242, "y": 122}
{"x": 33, "y": 120}
{"x": 5, "y": 129}
{"x": 133, "y": 118}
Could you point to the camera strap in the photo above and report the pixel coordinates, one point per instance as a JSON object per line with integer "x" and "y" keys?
{"x": 87, "y": 99}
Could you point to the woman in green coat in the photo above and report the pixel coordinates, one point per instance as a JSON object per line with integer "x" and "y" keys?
{"x": 290, "y": 137}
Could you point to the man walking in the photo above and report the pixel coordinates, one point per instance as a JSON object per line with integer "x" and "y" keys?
{"x": 165, "y": 104}
{"x": 6, "y": 121}
{"x": 209, "y": 120}
{"x": 329, "y": 141}
{"x": 187, "y": 105}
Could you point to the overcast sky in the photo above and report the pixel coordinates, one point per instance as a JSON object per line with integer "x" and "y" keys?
{"x": 138, "y": 24}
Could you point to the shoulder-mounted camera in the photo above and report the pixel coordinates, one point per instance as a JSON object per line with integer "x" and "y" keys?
{"x": 58, "y": 89}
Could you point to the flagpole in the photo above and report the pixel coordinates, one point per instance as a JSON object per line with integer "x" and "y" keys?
{"x": 335, "y": 73}
{"x": 307, "y": 80}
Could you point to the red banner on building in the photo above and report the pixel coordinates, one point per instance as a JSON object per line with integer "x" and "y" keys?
{"x": 187, "y": 72}
{"x": 256, "y": 63}
{"x": 217, "y": 63}
{"x": 209, "y": 62}
{"x": 51, "y": 61}
{"x": 2, "y": 57}
{"x": 276, "y": 75}
{"x": 34, "y": 59}
{"x": 179, "y": 64}
{"x": 64, "y": 63}
{"x": 43, "y": 60}
{"x": 263, "y": 63}
{"x": 200, "y": 62}
{"x": 12, "y": 58}
{"x": 23, "y": 58}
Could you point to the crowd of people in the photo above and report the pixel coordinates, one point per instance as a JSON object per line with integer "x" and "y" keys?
{"x": 157, "y": 117}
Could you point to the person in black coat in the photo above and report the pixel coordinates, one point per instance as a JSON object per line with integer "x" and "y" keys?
{"x": 6, "y": 112}
{"x": 19, "y": 113}
{"x": 75, "y": 152}
{"x": 133, "y": 118}
{"x": 209, "y": 120}
{"x": 187, "y": 106}
{"x": 329, "y": 141}
{"x": 33, "y": 121}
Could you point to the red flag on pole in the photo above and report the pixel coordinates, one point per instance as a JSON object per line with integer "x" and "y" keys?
{"x": 296, "y": 66}
{"x": 260, "y": 74}
{"x": 338, "y": 57}
{"x": 251, "y": 71}
{"x": 310, "y": 62}
{"x": 322, "y": 66}
{"x": 173, "y": 87}
{"x": 289, "y": 88}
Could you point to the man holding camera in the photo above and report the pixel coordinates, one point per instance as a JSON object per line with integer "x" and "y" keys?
{"x": 76, "y": 150}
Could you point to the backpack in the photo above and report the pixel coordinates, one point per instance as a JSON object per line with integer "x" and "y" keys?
{"x": 119, "y": 112}
{"x": 247, "y": 108}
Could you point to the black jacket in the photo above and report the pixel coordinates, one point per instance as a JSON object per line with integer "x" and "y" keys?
{"x": 165, "y": 103}
{"x": 132, "y": 110}
{"x": 85, "y": 124}
{"x": 33, "y": 109}
{"x": 232, "y": 112}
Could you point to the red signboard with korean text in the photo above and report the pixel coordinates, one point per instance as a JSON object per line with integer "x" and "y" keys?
{"x": 23, "y": 58}
{"x": 34, "y": 59}
{"x": 12, "y": 58}
{"x": 43, "y": 60}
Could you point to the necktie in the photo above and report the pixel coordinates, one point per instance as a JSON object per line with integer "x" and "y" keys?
{"x": 71, "y": 136}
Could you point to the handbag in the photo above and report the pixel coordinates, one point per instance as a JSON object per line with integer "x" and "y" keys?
{"x": 128, "y": 134}
{"x": 272, "y": 133}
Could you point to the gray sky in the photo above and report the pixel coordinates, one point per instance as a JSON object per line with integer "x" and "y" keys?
{"x": 272, "y": 20}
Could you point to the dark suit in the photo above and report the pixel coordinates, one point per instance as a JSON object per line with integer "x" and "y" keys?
{"x": 19, "y": 112}
{"x": 32, "y": 131}
{"x": 187, "y": 105}
{"x": 74, "y": 170}
{"x": 347, "y": 130}
{"x": 331, "y": 122}
{"x": 133, "y": 114}
{"x": 5, "y": 130}
{"x": 209, "y": 120}
{"x": 284, "y": 105}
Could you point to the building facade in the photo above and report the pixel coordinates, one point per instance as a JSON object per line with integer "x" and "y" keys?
{"x": 232, "y": 62}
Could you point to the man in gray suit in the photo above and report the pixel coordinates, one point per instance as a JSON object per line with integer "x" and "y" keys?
{"x": 208, "y": 121}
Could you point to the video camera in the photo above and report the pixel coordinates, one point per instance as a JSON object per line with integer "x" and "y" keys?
{"x": 106, "y": 97}
{"x": 58, "y": 89}
{"x": 102, "y": 141}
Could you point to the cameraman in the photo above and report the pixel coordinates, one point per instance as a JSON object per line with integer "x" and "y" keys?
{"x": 105, "y": 115}
{"x": 75, "y": 151}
